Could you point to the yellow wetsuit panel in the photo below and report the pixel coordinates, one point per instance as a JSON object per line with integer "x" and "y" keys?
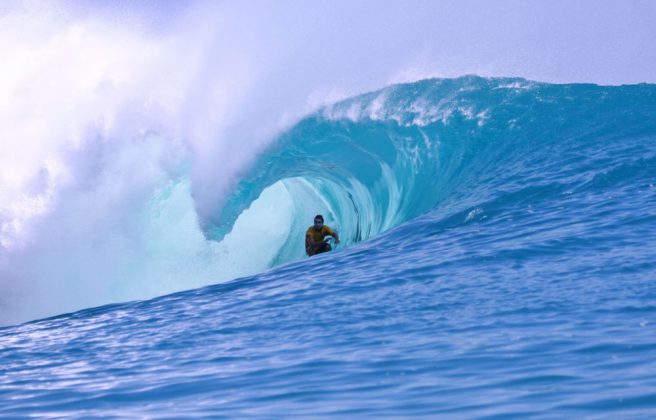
{"x": 319, "y": 235}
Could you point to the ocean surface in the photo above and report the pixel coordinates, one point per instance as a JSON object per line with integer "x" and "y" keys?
{"x": 498, "y": 259}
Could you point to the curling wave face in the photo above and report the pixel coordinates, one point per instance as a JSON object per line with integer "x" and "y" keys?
{"x": 377, "y": 160}
{"x": 133, "y": 229}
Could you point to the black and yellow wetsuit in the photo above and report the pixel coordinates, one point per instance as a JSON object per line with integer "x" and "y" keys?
{"x": 317, "y": 236}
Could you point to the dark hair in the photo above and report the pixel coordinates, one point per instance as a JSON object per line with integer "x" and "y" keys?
{"x": 318, "y": 216}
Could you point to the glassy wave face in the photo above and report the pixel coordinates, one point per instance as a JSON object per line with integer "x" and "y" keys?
{"x": 499, "y": 258}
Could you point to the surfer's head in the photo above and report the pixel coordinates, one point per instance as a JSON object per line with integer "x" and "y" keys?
{"x": 318, "y": 221}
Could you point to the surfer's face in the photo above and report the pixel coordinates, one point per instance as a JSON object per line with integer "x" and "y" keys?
{"x": 318, "y": 224}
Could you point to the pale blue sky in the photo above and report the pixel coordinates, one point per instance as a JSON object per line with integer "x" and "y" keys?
{"x": 600, "y": 41}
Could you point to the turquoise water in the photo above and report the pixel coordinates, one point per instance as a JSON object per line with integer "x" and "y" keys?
{"x": 498, "y": 260}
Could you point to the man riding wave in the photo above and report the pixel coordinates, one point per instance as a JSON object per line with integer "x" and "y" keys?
{"x": 315, "y": 236}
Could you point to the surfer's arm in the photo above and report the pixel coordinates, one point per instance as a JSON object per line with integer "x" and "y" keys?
{"x": 334, "y": 235}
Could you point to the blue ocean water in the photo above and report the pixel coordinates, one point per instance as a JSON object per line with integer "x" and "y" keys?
{"x": 498, "y": 259}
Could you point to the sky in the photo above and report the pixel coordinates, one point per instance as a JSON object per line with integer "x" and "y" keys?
{"x": 598, "y": 41}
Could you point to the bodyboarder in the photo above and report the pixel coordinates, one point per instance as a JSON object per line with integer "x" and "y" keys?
{"x": 315, "y": 236}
